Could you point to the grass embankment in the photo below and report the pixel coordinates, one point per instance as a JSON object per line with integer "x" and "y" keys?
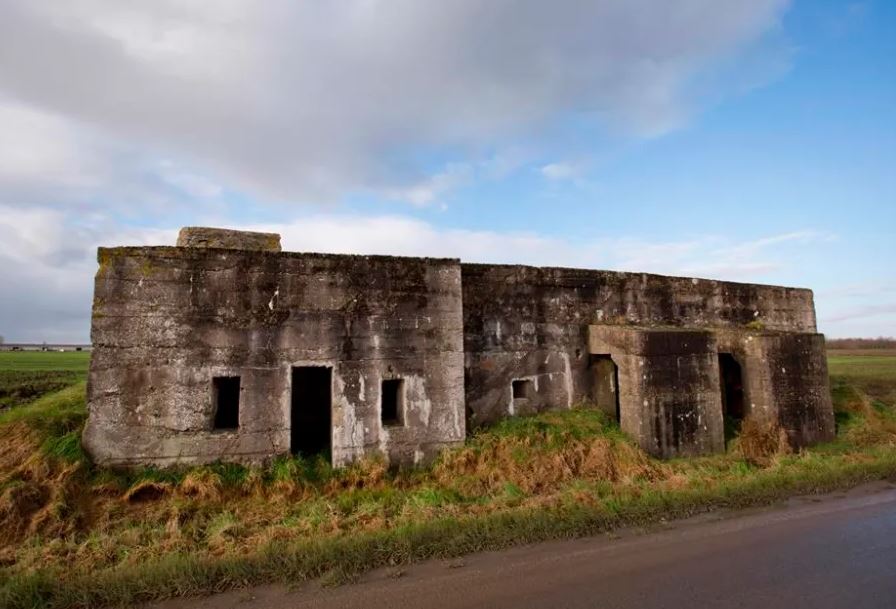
{"x": 26, "y": 375}
{"x": 74, "y": 536}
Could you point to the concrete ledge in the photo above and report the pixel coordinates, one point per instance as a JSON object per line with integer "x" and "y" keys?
{"x": 638, "y": 340}
{"x": 222, "y": 238}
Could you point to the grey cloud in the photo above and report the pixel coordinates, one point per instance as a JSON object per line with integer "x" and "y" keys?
{"x": 306, "y": 100}
{"x": 47, "y": 267}
{"x": 121, "y": 110}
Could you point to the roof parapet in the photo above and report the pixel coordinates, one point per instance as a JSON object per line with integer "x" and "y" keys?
{"x": 222, "y": 238}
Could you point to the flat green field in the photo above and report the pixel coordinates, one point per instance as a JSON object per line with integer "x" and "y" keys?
{"x": 873, "y": 373}
{"x": 42, "y": 361}
{"x": 26, "y": 375}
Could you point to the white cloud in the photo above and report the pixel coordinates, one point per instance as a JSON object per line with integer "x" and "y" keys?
{"x": 429, "y": 189}
{"x": 123, "y": 112}
{"x": 194, "y": 185}
{"x": 48, "y": 262}
{"x": 308, "y": 101}
{"x": 559, "y": 171}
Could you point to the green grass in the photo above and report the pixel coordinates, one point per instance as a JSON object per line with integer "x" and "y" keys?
{"x": 43, "y": 361}
{"x": 200, "y": 530}
{"x": 341, "y": 559}
{"x": 52, "y": 415}
{"x": 57, "y": 418}
{"x": 27, "y": 375}
{"x": 873, "y": 374}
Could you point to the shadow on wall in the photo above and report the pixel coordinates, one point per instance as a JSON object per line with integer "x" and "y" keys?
{"x": 732, "y": 390}
{"x": 605, "y": 384}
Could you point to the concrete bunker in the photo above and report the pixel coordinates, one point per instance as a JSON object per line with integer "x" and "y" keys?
{"x": 311, "y": 428}
{"x": 299, "y": 352}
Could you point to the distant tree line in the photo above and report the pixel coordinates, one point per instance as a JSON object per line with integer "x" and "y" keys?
{"x": 881, "y": 342}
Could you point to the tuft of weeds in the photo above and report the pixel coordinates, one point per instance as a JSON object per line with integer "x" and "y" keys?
{"x": 66, "y": 447}
{"x": 146, "y": 490}
{"x": 222, "y": 530}
{"x": 203, "y": 483}
{"x": 231, "y": 474}
{"x": 762, "y": 442}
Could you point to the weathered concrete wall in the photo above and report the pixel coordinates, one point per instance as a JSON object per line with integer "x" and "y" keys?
{"x": 669, "y": 394}
{"x": 785, "y": 379}
{"x": 533, "y": 322}
{"x": 166, "y": 320}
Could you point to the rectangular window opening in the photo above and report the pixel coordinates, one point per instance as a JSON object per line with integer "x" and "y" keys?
{"x": 522, "y": 389}
{"x": 392, "y": 408}
{"x": 226, "y": 395}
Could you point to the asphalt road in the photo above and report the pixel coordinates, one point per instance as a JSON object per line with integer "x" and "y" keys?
{"x": 837, "y": 552}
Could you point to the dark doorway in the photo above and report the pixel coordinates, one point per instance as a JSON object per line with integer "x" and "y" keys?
{"x": 605, "y": 385}
{"x": 311, "y": 432}
{"x": 732, "y": 388}
{"x": 226, "y": 396}
{"x": 392, "y": 402}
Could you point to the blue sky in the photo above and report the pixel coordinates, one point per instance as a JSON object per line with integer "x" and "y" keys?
{"x": 743, "y": 141}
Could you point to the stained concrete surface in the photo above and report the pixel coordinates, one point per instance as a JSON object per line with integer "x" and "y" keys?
{"x": 831, "y": 552}
{"x": 168, "y": 321}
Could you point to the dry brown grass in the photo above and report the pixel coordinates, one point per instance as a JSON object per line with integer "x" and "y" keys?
{"x": 202, "y": 484}
{"x": 545, "y": 461}
{"x": 147, "y": 490}
{"x": 107, "y": 521}
{"x": 17, "y": 444}
{"x": 369, "y": 473}
{"x": 867, "y": 425}
{"x": 870, "y": 433}
{"x": 526, "y": 463}
{"x": 55, "y": 512}
{"x": 762, "y": 442}
{"x": 871, "y": 427}
{"x": 39, "y": 495}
